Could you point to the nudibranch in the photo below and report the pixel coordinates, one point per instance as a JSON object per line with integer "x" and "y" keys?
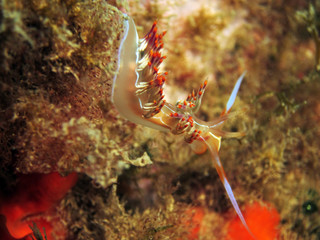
{"x": 137, "y": 93}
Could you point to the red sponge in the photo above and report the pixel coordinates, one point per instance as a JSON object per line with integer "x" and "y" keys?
{"x": 35, "y": 194}
{"x": 262, "y": 220}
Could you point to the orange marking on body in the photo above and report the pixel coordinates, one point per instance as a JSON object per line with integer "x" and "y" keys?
{"x": 200, "y": 93}
{"x": 160, "y": 80}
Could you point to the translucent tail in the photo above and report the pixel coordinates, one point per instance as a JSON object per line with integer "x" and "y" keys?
{"x": 217, "y": 163}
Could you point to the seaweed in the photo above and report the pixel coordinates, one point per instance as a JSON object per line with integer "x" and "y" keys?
{"x": 310, "y": 18}
{"x": 37, "y": 235}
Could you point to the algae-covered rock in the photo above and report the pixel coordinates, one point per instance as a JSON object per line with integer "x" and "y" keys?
{"x": 58, "y": 60}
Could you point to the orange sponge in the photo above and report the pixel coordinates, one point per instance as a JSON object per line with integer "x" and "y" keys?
{"x": 262, "y": 220}
{"x": 35, "y": 194}
{"x": 192, "y": 220}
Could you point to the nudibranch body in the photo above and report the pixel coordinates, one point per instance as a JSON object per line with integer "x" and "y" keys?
{"x": 138, "y": 95}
